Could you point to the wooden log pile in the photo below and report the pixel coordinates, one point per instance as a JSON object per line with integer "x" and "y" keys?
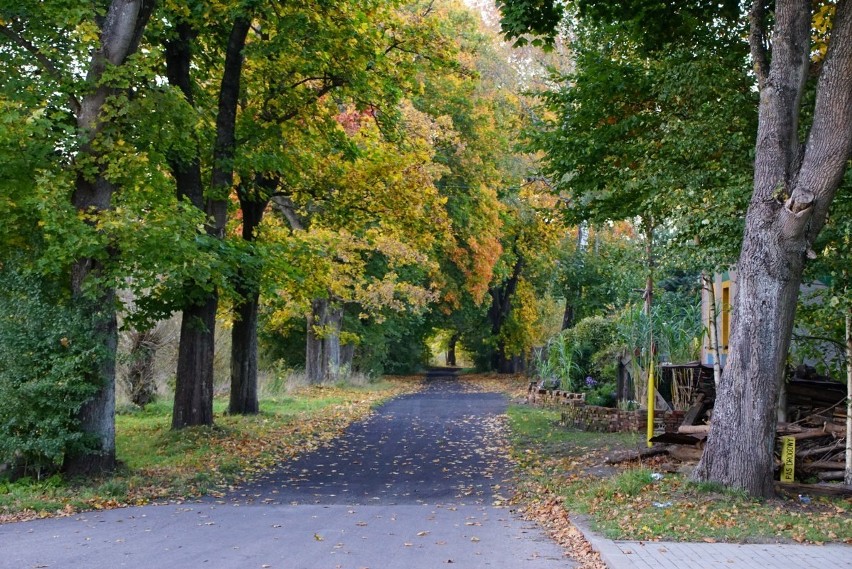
{"x": 820, "y": 450}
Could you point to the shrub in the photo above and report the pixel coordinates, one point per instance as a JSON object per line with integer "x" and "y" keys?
{"x": 47, "y": 352}
{"x": 570, "y": 356}
{"x": 602, "y": 395}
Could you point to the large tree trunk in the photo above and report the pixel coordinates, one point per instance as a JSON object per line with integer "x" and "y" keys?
{"x": 347, "y": 358}
{"x": 793, "y": 189}
{"x": 194, "y": 382}
{"x": 97, "y": 415}
{"x": 244, "y": 391}
{"x": 498, "y": 313}
{"x": 746, "y": 399}
{"x": 322, "y": 357}
{"x": 121, "y": 32}
{"x": 139, "y": 377}
{"x": 244, "y": 333}
{"x": 451, "y": 349}
{"x": 244, "y": 356}
{"x": 568, "y": 314}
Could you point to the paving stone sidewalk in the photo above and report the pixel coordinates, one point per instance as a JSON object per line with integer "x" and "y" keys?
{"x": 678, "y": 555}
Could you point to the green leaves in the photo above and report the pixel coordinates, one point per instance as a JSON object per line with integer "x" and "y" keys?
{"x": 538, "y": 18}
{"x": 664, "y": 133}
{"x": 47, "y": 354}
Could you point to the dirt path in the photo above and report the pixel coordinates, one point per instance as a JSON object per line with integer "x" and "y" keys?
{"x": 413, "y": 486}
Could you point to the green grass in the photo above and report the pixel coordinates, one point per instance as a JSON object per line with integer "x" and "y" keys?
{"x": 626, "y": 502}
{"x": 159, "y": 464}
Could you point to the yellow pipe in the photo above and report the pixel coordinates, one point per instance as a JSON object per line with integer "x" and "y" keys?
{"x": 651, "y": 401}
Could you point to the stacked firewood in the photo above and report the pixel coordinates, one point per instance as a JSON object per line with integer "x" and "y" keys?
{"x": 820, "y": 447}
{"x": 820, "y": 440}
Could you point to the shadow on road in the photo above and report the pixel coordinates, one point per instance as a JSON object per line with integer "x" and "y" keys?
{"x": 440, "y": 445}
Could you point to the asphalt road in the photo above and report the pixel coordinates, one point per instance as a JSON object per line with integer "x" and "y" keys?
{"x": 413, "y": 486}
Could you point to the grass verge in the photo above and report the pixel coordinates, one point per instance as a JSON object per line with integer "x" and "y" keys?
{"x": 652, "y": 500}
{"x": 158, "y": 464}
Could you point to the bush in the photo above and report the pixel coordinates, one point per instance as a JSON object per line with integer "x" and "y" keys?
{"x": 602, "y": 395}
{"x": 47, "y": 353}
{"x": 571, "y": 355}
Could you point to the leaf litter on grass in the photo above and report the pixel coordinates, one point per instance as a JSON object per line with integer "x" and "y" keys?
{"x": 620, "y": 500}
{"x": 163, "y": 465}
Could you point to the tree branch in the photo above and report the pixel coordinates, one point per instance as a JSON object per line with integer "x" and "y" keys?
{"x": 286, "y": 207}
{"x": 757, "y": 41}
{"x": 777, "y": 149}
{"x": 226, "y": 119}
{"x": 43, "y": 61}
{"x": 825, "y": 339}
{"x": 829, "y": 145}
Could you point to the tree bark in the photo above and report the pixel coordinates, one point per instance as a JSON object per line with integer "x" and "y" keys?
{"x": 713, "y": 329}
{"x": 793, "y": 189}
{"x": 322, "y": 357}
{"x": 244, "y": 398}
{"x": 347, "y": 357}
{"x": 451, "y": 349}
{"x": 121, "y": 32}
{"x": 194, "y": 381}
{"x": 498, "y": 313}
{"x": 194, "y": 385}
{"x": 187, "y": 172}
{"x": 97, "y": 415}
{"x": 568, "y": 314}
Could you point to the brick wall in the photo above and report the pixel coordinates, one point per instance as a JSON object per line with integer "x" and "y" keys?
{"x": 608, "y": 420}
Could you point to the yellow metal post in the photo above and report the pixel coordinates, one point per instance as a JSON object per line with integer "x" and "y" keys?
{"x": 651, "y": 401}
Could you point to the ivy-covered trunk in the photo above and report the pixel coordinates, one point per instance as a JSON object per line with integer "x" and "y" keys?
{"x": 120, "y": 34}
{"x": 794, "y": 185}
{"x": 97, "y": 416}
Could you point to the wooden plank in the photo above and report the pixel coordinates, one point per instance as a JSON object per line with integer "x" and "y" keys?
{"x": 831, "y": 475}
{"x": 686, "y": 454}
{"x": 676, "y": 439}
{"x": 810, "y": 434}
{"x": 804, "y": 453}
{"x": 794, "y": 489}
{"x": 694, "y": 413}
{"x": 825, "y": 465}
{"x": 636, "y": 455}
{"x": 694, "y": 429}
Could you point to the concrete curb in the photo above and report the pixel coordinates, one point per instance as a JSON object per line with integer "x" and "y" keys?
{"x": 683, "y": 555}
